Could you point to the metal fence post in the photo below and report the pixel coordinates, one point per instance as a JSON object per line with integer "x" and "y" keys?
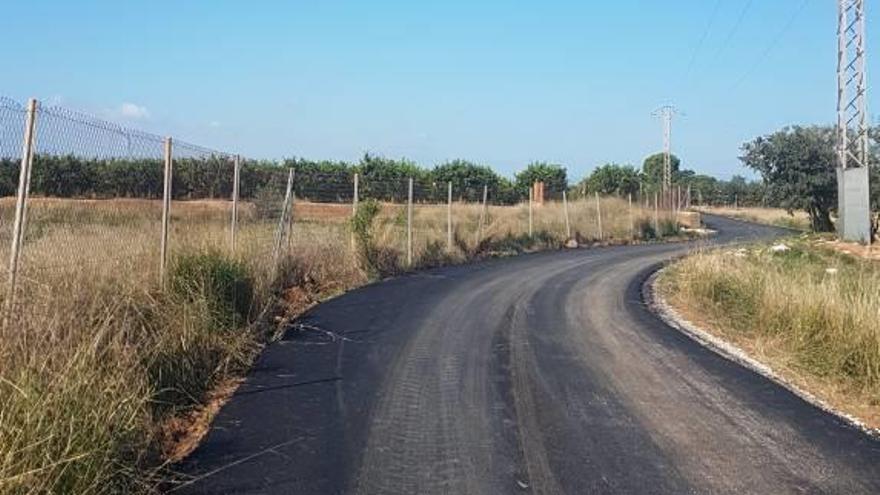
{"x": 166, "y": 210}
{"x": 449, "y": 216}
{"x": 599, "y": 216}
{"x": 677, "y": 200}
{"x": 283, "y": 224}
{"x": 355, "y": 198}
{"x": 290, "y": 205}
{"x": 565, "y": 212}
{"x": 531, "y": 202}
{"x": 236, "y": 179}
{"x": 656, "y": 217}
{"x": 24, "y": 179}
{"x": 409, "y": 216}
{"x": 632, "y": 223}
{"x": 355, "y": 195}
{"x": 482, "y": 216}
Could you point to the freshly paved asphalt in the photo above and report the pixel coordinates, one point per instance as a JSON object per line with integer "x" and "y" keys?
{"x": 543, "y": 373}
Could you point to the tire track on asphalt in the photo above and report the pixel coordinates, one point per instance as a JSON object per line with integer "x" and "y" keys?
{"x": 542, "y": 373}
{"x": 434, "y": 410}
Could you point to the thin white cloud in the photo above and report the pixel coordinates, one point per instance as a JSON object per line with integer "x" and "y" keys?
{"x": 214, "y": 124}
{"x": 133, "y": 111}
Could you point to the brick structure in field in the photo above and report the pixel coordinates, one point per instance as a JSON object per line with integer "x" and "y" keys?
{"x": 538, "y": 192}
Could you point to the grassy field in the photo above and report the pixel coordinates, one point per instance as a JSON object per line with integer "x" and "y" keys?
{"x": 811, "y": 314}
{"x": 798, "y": 220}
{"x": 97, "y": 360}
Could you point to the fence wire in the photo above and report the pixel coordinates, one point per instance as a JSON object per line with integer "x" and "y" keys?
{"x": 12, "y": 123}
{"x": 95, "y": 210}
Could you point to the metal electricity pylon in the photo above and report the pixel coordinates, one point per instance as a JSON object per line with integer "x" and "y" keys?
{"x": 852, "y": 112}
{"x": 666, "y": 112}
{"x": 852, "y": 124}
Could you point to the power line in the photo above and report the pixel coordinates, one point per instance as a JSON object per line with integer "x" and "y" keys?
{"x": 772, "y": 45}
{"x": 702, "y": 39}
{"x": 734, "y": 29}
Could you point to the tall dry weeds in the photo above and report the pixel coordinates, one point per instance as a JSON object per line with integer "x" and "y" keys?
{"x": 811, "y": 313}
{"x": 96, "y": 356}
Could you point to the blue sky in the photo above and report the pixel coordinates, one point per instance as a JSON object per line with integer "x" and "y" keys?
{"x": 500, "y": 83}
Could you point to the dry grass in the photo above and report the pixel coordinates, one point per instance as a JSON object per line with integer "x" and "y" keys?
{"x": 97, "y": 361}
{"x": 865, "y": 251}
{"x": 798, "y": 220}
{"x": 809, "y": 313}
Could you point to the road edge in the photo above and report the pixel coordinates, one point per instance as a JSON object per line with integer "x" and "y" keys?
{"x": 672, "y": 318}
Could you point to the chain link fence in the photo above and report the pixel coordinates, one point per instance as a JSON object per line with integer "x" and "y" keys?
{"x": 107, "y": 203}
{"x": 86, "y": 202}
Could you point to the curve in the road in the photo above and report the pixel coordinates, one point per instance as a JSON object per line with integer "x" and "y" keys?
{"x": 538, "y": 374}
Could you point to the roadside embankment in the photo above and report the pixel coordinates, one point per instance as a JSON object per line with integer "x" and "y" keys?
{"x": 810, "y": 314}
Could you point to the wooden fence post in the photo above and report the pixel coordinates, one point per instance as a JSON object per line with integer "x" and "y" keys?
{"x": 599, "y": 217}
{"x": 166, "y": 210}
{"x": 18, "y": 228}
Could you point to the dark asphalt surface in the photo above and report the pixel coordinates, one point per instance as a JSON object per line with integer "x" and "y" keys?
{"x": 543, "y": 373}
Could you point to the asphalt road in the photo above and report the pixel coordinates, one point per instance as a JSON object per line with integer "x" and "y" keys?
{"x": 538, "y": 374}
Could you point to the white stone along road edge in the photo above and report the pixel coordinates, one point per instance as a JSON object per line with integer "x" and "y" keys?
{"x": 671, "y": 317}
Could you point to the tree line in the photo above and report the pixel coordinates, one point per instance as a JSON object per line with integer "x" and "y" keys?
{"x": 625, "y": 180}
{"x": 325, "y": 181}
{"x": 797, "y": 166}
{"x": 332, "y": 181}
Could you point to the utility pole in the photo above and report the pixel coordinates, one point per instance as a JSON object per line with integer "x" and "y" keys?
{"x": 852, "y": 123}
{"x": 666, "y": 112}
{"x": 852, "y": 114}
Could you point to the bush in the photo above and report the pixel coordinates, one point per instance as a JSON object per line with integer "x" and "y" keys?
{"x": 668, "y": 228}
{"x": 377, "y": 261}
{"x": 434, "y": 255}
{"x": 507, "y": 244}
{"x": 224, "y": 285}
{"x": 646, "y": 229}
